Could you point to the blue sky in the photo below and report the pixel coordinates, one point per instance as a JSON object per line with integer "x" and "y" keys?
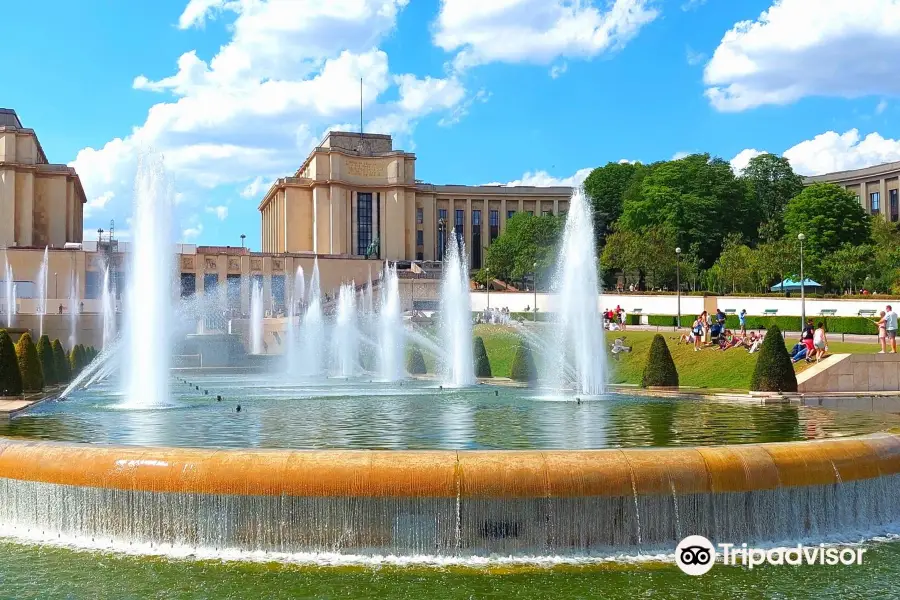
{"x": 235, "y": 93}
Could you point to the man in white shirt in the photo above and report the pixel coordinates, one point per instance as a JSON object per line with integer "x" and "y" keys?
{"x": 890, "y": 328}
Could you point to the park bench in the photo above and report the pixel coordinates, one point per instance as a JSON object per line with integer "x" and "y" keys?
{"x": 770, "y": 312}
{"x": 730, "y": 311}
{"x": 828, "y": 312}
{"x": 866, "y": 313}
{"x": 637, "y": 311}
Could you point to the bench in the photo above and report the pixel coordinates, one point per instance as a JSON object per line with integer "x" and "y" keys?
{"x": 866, "y": 313}
{"x": 637, "y": 311}
{"x": 730, "y": 311}
{"x": 828, "y": 312}
{"x": 770, "y": 312}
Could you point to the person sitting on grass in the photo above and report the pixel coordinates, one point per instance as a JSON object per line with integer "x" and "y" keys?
{"x": 754, "y": 342}
{"x": 798, "y": 352}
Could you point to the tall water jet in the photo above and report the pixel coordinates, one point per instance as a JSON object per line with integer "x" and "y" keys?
{"x": 256, "y": 319}
{"x": 42, "y": 289}
{"x": 10, "y": 293}
{"x": 150, "y": 317}
{"x": 108, "y": 309}
{"x": 456, "y": 316}
{"x": 74, "y": 310}
{"x": 298, "y": 297}
{"x": 312, "y": 330}
{"x": 391, "y": 338}
{"x": 346, "y": 333}
{"x": 579, "y": 328}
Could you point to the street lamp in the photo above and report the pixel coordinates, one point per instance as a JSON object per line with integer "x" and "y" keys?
{"x": 56, "y": 285}
{"x": 802, "y": 237}
{"x": 678, "y": 282}
{"x": 534, "y": 284}
{"x": 243, "y": 237}
{"x": 441, "y": 241}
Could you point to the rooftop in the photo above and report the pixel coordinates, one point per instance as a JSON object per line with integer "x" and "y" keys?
{"x": 891, "y": 168}
{"x": 9, "y": 118}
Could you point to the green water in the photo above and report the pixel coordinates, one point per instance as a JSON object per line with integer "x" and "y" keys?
{"x": 49, "y": 573}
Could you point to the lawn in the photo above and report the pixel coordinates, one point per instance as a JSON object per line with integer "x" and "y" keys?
{"x": 708, "y": 368}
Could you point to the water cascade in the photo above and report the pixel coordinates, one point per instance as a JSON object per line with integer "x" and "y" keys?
{"x": 346, "y": 333}
{"x": 295, "y": 310}
{"x": 150, "y": 318}
{"x": 42, "y": 290}
{"x": 391, "y": 338}
{"x": 456, "y": 316}
{"x": 108, "y": 308}
{"x": 578, "y": 336}
{"x": 256, "y": 319}
{"x": 312, "y": 331}
{"x": 74, "y": 311}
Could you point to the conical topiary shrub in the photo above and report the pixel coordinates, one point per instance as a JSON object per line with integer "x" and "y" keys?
{"x": 73, "y": 362}
{"x": 774, "y": 371}
{"x": 10, "y": 376}
{"x": 48, "y": 363}
{"x": 660, "y": 368}
{"x": 82, "y": 357}
{"x": 415, "y": 362}
{"x": 482, "y": 364}
{"x": 523, "y": 368}
{"x": 60, "y": 362}
{"x": 29, "y": 364}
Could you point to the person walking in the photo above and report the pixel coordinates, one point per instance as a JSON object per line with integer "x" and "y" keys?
{"x": 890, "y": 328}
{"x": 697, "y": 330}
{"x": 882, "y": 333}
{"x": 742, "y": 319}
{"x": 820, "y": 341}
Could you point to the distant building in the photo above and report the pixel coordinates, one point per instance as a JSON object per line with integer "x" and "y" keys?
{"x": 877, "y": 188}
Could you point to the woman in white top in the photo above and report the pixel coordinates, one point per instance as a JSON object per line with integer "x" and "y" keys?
{"x": 882, "y": 332}
{"x": 820, "y": 341}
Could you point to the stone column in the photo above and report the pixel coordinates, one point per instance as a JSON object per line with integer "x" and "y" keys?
{"x": 883, "y": 207}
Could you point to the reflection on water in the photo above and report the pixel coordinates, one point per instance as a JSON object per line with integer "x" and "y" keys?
{"x": 418, "y": 415}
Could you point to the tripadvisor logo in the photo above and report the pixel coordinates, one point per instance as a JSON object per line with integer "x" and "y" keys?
{"x": 696, "y": 555}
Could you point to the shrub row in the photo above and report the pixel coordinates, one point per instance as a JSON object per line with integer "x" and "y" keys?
{"x": 29, "y": 367}
{"x": 852, "y": 325}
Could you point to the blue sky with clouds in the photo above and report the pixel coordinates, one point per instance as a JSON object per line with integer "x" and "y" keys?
{"x": 235, "y": 93}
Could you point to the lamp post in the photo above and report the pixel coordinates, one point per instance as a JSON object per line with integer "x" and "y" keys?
{"x": 534, "y": 284}
{"x": 802, "y": 237}
{"x": 441, "y": 241}
{"x": 56, "y": 285}
{"x": 678, "y": 282}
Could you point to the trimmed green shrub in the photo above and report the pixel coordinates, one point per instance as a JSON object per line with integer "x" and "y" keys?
{"x": 415, "y": 362}
{"x": 482, "y": 364}
{"x": 774, "y": 371}
{"x": 529, "y": 316}
{"x": 29, "y": 364}
{"x": 73, "y": 362}
{"x": 10, "y": 376}
{"x": 48, "y": 363}
{"x": 660, "y": 368}
{"x": 82, "y": 357}
{"x": 632, "y": 319}
{"x": 523, "y": 368}
{"x": 664, "y": 320}
{"x": 60, "y": 362}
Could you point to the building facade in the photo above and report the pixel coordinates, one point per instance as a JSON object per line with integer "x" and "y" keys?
{"x": 357, "y": 196}
{"x": 41, "y": 203}
{"x": 877, "y": 188}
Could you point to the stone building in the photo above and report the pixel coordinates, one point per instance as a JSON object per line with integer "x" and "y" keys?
{"x": 877, "y": 188}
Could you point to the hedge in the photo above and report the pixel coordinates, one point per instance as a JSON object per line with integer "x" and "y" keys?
{"x": 660, "y": 368}
{"x": 665, "y": 320}
{"x": 10, "y": 376}
{"x": 482, "y": 364}
{"x": 850, "y": 325}
{"x": 415, "y": 362}
{"x": 29, "y": 364}
{"x": 529, "y": 316}
{"x": 48, "y": 362}
{"x": 774, "y": 371}
{"x": 60, "y": 362}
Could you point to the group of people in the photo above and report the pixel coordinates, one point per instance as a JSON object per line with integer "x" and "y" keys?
{"x": 495, "y": 316}
{"x": 614, "y": 320}
{"x": 887, "y": 329}
{"x": 708, "y": 331}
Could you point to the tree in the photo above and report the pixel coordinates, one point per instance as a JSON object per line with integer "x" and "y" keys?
{"x": 849, "y": 265}
{"x": 774, "y": 371}
{"x": 48, "y": 363}
{"x": 60, "y": 362}
{"x": 886, "y": 270}
{"x": 660, "y": 368}
{"x": 734, "y": 268}
{"x": 605, "y": 187}
{"x": 527, "y": 239}
{"x": 73, "y": 362}
{"x": 772, "y": 182}
{"x": 29, "y": 364}
{"x": 482, "y": 363}
{"x": 415, "y": 362}
{"x": 649, "y": 255}
{"x": 523, "y": 367}
{"x": 10, "y": 376}
{"x": 830, "y": 217}
{"x": 776, "y": 260}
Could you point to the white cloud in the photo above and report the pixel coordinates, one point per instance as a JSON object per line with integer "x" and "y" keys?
{"x": 830, "y": 151}
{"x": 544, "y": 179}
{"x": 221, "y": 211}
{"x": 557, "y": 70}
{"x": 256, "y": 187}
{"x": 800, "y": 48}
{"x": 693, "y": 57}
{"x": 193, "y": 232}
{"x": 680, "y": 154}
{"x": 94, "y": 205}
{"x": 692, "y": 4}
{"x": 881, "y": 107}
{"x": 536, "y": 31}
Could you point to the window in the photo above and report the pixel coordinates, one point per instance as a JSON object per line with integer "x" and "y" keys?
{"x": 420, "y": 256}
{"x": 420, "y": 237}
{"x": 442, "y": 233}
{"x": 895, "y": 209}
{"x": 210, "y": 283}
{"x": 476, "y": 239}
{"x": 278, "y": 291}
{"x": 420, "y": 217}
{"x": 93, "y": 286}
{"x": 460, "y": 225}
{"x": 233, "y": 292}
{"x": 547, "y": 213}
{"x": 530, "y": 213}
{"x": 188, "y": 284}
{"x": 494, "y": 224}
{"x": 510, "y": 213}
{"x": 363, "y": 223}
{"x": 875, "y": 202}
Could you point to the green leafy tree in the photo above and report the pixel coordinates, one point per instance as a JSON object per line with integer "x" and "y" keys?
{"x": 48, "y": 362}
{"x": 415, "y": 362}
{"x": 776, "y": 260}
{"x": 29, "y": 364}
{"x": 60, "y": 362}
{"x": 10, "y": 376}
{"x": 482, "y": 363}
{"x": 660, "y": 368}
{"x": 774, "y": 371}
{"x": 735, "y": 265}
{"x": 772, "y": 182}
{"x": 605, "y": 187}
{"x": 527, "y": 239}
{"x": 830, "y": 217}
{"x": 648, "y": 257}
{"x": 523, "y": 367}
{"x": 885, "y": 275}
{"x": 848, "y": 266}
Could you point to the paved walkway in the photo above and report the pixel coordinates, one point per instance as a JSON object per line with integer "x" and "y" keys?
{"x": 9, "y": 405}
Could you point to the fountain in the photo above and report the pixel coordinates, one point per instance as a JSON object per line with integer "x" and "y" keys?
{"x": 10, "y": 293}
{"x": 579, "y": 329}
{"x": 312, "y": 330}
{"x": 256, "y": 319}
{"x": 391, "y": 338}
{"x": 456, "y": 316}
{"x": 149, "y": 318}
{"x": 108, "y": 308}
{"x": 42, "y": 290}
{"x": 74, "y": 311}
{"x": 346, "y": 333}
